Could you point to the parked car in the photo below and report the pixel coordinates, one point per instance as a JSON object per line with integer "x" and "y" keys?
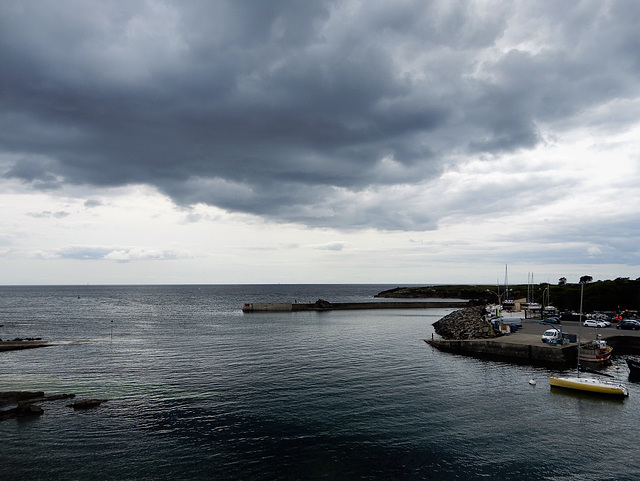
{"x": 628, "y": 324}
{"x": 551, "y": 335}
{"x": 593, "y": 323}
{"x": 550, "y": 320}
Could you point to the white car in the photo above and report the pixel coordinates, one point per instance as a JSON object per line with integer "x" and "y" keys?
{"x": 594, "y": 323}
{"x": 550, "y": 335}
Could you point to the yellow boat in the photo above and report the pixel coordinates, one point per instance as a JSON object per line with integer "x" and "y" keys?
{"x": 590, "y": 384}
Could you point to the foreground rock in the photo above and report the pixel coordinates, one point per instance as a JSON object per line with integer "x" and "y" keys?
{"x": 21, "y": 412}
{"x": 86, "y": 403}
{"x": 17, "y": 396}
{"x": 26, "y": 403}
{"x": 27, "y": 407}
{"x": 19, "y": 343}
{"x": 465, "y": 324}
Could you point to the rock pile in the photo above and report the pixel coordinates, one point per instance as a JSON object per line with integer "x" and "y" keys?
{"x": 465, "y": 324}
{"x": 322, "y": 304}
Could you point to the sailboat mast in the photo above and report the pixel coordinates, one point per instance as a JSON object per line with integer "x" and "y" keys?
{"x": 506, "y": 283}
{"x": 532, "y": 296}
{"x": 580, "y": 324}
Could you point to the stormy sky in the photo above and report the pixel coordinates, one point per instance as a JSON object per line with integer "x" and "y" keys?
{"x": 318, "y": 141}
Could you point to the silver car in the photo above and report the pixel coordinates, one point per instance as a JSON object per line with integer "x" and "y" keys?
{"x": 594, "y": 323}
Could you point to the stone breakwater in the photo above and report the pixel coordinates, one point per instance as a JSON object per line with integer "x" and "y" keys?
{"x": 467, "y": 323}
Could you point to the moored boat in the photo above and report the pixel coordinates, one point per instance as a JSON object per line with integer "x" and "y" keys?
{"x": 634, "y": 367}
{"x": 590, "y": 384}
{"x": 595, "y": 351}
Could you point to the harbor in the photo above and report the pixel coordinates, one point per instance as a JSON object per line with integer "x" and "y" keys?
{"x": 185, "y": 363}
{"x": 525, "y": 344}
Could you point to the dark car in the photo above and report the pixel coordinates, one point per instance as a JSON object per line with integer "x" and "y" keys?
{"x": 550, "y": 320}
{"x": 628, "y": 324}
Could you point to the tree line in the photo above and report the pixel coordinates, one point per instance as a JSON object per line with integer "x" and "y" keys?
{"x": 611, "y": 295}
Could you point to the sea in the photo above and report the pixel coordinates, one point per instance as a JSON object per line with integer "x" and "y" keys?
{"x": 196, "y": 389}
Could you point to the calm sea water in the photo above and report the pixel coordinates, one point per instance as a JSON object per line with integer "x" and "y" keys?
{"x": 198, "y": 390}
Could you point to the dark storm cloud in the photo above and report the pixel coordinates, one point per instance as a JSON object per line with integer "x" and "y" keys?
{"x": 290, "y": 109}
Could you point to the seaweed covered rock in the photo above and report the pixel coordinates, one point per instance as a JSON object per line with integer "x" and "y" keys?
{"x": 21, "y": 412}
{"x": 86, "y": 403}
{"x": 8, "y": 397}
{"x": 467, "y": 323}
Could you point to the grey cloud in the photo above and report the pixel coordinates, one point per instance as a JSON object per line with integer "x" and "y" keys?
{"x": 91, "y": 203}
{"x": 83, "y": 253}
{"x": 48, "y": 214}
{"x": 269, "y": 108}
{"x": 119, "y": 254}
{"x": 331, "y": 246}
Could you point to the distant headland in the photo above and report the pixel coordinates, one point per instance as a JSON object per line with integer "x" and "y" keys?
{"x": 610, "y": 295}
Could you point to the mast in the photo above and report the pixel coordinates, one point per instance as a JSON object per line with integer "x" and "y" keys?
{"x": 532, "y": 295}
{"x": 506, "y": 283}
{"x": 580, "y": 324}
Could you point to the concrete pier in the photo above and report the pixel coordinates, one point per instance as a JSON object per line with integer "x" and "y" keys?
{"x": 329, "y": 306}
{"x": 511, "y": 348}
{"x": 526, "y": 346}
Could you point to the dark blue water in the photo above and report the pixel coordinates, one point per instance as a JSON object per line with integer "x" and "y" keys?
{"x": 198, "y": 390}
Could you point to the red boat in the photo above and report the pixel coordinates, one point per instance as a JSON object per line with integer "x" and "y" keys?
{"x": 595, "y": 351}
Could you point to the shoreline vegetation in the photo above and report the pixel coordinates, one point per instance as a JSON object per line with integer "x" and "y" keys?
{"x": 610, "y": 295}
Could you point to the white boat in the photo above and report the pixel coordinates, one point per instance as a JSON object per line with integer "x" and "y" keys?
{"x": 588, "y": 384}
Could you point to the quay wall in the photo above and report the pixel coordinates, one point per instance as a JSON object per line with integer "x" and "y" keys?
{"x": 524, "y": 352}
{"x": 623, "y": 343}
{"x": 266, "y": 307}
{"x": 289, "y": 307}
